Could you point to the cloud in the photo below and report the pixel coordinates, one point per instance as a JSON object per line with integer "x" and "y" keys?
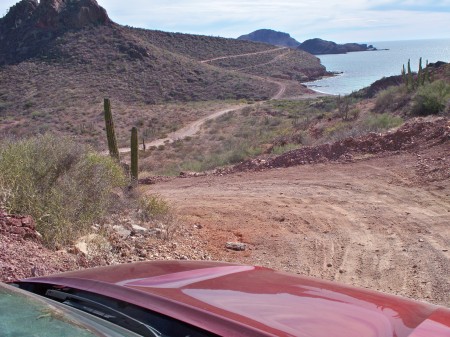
{"x": 415, "y": 6}
{"x": 342, "y": 21}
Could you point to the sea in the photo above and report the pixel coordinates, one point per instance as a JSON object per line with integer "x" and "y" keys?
{"x": 357, "y": 70}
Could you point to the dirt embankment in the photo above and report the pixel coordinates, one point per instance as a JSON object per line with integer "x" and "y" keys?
{"x": 414, "y": 135}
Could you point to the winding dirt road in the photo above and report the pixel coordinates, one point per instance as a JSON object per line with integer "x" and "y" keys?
{"x": 191, "y": 129}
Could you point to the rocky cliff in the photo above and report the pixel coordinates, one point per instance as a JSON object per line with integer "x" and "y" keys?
{"x": 29, "y": 25}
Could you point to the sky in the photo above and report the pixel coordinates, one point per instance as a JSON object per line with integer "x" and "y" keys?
{"x": 336, "y": 20}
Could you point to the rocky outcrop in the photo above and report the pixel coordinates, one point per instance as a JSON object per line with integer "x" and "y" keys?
{"x": 28, "y": 26}
{"x": 19, "y": 225}
{"x": 320, "y": 47}
{"x": 271, "y": 37}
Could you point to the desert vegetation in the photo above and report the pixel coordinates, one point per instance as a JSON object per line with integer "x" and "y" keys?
{"x": 267, "y": 129}
{"x": 64, "y": 186}
{"x": 424, "y": 93}
{"x": 264, "y": 130}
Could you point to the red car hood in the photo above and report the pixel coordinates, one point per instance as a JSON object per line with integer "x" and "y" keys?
{"x": 236, "y": 300}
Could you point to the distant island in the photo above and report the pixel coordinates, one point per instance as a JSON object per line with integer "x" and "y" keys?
{"x": 320, "y": 47}
{"x": 313, "y": 46}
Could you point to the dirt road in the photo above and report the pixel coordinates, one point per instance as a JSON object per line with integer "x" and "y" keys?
{"x": 241, "y": 55}
{"x": 191, "y": 129}
{"x": 368, "y": 223}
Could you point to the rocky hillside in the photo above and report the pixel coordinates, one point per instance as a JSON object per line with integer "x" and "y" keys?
{"x": 319, "y": 47}
{"x": 272, "y": 37}
{"x": 60, "y": 58}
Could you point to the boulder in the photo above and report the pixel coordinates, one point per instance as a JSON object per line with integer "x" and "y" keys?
{"x": 237, "y": 246}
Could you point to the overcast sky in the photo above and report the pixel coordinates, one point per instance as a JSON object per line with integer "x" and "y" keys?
{"x": 337, "y": 20}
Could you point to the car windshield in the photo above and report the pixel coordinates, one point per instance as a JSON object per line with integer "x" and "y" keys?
{"x": 23, "y": 314}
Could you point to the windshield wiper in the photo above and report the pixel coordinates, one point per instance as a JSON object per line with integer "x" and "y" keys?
{"x": 103, "y": 311}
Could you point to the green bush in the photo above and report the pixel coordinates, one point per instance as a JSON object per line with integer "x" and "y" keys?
{"x": 391, "y": 99}
{"x": 431, "y": 99}
{"x": 381, "y": 122}
{"x": 65, "y": 186}
{"x": 153, "y": 207}
{"x": 280, "y": 149}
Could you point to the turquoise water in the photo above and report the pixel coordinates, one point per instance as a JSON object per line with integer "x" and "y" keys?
{"x": 360, "y": 69}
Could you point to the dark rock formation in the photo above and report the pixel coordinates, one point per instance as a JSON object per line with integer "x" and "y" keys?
{"x": 379, "y": 85}
{"x": 320, "y": 47}
{"x": 28, "y": 26}
{"x": 437, "y": 64}
{"x": 271, "y": 37}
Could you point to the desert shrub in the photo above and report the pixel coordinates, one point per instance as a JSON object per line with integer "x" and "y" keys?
{"x": 280, "y": 149}
{"x": 229, "y": 115}
{"x": 354, "y": 114}
{"x": 336, "y": 128}
{"x": 381, "y": 122}
{"x": 391, "y": 99}
{"x": 63, "y": 185}
{"x": 153, "y": 207}
{"x": 431, "y": 98}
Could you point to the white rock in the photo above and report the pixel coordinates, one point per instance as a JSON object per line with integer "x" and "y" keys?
{"x": 139, "y": 229}
{"x": 236, "y": 246}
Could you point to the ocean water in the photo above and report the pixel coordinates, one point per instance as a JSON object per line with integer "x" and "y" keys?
{"x": 360, "y": 69}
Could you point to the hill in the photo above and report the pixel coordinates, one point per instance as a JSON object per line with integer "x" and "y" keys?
{"x": 319, "y": 47}
{"x": 59, "y": 58}
{"x": 272, "y": 37}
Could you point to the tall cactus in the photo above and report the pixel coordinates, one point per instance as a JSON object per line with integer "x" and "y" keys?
{"x": 110, "y": 133}
{"x": 420, "y": 74}
{"x": 134, "y": 154}
{"x": 410, "y": 83}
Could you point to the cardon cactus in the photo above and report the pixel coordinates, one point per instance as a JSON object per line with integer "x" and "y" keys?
{"x": 110, "y": 133}
{"x": 134, "y": 154}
